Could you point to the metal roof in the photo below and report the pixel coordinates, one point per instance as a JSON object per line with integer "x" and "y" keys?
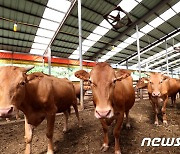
{"x": 154, "y": 36}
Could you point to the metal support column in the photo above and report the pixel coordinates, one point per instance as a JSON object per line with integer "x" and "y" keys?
{"x": 138, "y": 50}
{"x": 49, "y": 60}
{"x": 139, "y": 58}
{"x": 146, "y": 67}
{"x": 171, "y": 72}
{"x": 127, "y": 64}
{"x": 167, "y": 63}
{"x": 80, "y": 52}
{"x": 43, "y": 64}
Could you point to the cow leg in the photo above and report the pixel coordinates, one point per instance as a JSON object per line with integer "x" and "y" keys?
{"x": 49, "y": 133}
{"x": 138, "y": 93}
{"x": 17, "y": 115}
{"x": 77, "y": 114}
{"x": 164, "y": 111}
{"x": 66, "y": 114}
{"x": 175, "y": 100}
{"x": 105, "y": 139}
{"x": 8, "y": 120}
{"x": 28, "y": 136}
{"x": 128, "y": 126}
{"x": 155, "y": 108}
{"x": 117, "y": 130}
{"x": 156, "y": 122}
{"x": 109, "y": 121}
{"x": 172, "y": 101}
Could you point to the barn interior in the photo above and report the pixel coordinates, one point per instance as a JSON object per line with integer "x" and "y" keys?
{"x": 59, "y": 37}
{"x": 30, "y": 27}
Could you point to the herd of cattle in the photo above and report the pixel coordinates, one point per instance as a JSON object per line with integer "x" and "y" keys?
{"x": 40, "y": 96}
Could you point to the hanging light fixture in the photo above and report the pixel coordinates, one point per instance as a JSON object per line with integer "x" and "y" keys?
{"x": 15, "y": 27}
{"x": 15, "y": 17}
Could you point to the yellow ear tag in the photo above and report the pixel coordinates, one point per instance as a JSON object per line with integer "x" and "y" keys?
{"x": 145, "y": 81}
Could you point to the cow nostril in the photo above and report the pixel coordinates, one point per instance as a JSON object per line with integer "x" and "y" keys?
{"x": 108, "y": 113}
{"x": 11, "y": 110}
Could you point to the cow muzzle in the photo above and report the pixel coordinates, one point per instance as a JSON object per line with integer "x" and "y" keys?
{"x": 108, "y": 113}
{"x": 6, "y": 112}
{"x": 156, "y": 94}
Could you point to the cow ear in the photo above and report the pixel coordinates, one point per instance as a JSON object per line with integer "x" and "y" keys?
{"x": 122, "y": 72}
{"x": 81, "y": 74}
{"x": 165, "y": 77}
{"x": 121, "y": 77}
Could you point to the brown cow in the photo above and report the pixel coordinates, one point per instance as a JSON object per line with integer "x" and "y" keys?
{"x": 158, "y": 87}
{"x": 142, "y": 83}
{"x": 38, "y": 96}
{"x": 113, "y": 95}
{"x": 174, "y": 87}
{"x": 77, "y": 89}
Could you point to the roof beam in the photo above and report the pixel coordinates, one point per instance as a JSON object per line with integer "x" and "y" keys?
{"x": 153, "y": 44}
{"x": 16, "y": 10}
{"x": 60, "y": 25}
{"x": 20, "y": 32}
{"x": 156, "y": 8}
{"x": 15, "y": 46}
{"x": 12, "y": 38}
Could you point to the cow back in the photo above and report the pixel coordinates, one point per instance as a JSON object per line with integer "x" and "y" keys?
{"x": 47, "y": 94}
{"x": 64, "y": 94}
{"x": 174, "y": 86}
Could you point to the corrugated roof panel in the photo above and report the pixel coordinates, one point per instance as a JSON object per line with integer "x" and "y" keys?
{"x": 150, "y": 4}
{"x": 139, "y": 11}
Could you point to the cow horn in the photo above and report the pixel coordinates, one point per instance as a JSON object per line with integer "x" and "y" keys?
{"x": 28, "y": 68}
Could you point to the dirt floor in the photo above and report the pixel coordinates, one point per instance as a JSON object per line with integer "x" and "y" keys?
{"x": 88, "y": 139}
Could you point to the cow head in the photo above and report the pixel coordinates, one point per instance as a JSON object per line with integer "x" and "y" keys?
{"x": 102, "y": 79}
{"x": 12, "y": 88}
{"x": 157, "y": 84}
{"x": 142, "y": 83}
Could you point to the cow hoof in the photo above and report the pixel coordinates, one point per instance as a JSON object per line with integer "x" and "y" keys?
{"x": 64, "y": 130}
{"x": 118, "y": 152}
{"x": 8, "y": 120}
{"x": 172, "y": 105}
{"x": 156, "y": 123}
{"x": 80, "y": 125}
{"x": 50, "y": 152}
{"x": 165, "y": 122}
{"x": 128, "y": 126}
{"x": 104, "y": 147}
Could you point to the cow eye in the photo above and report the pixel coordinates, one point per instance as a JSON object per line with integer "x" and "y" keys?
{"x": 150, "y": 82}
{"x": 22, "y": 83}
{"x": 161, "y": 81}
